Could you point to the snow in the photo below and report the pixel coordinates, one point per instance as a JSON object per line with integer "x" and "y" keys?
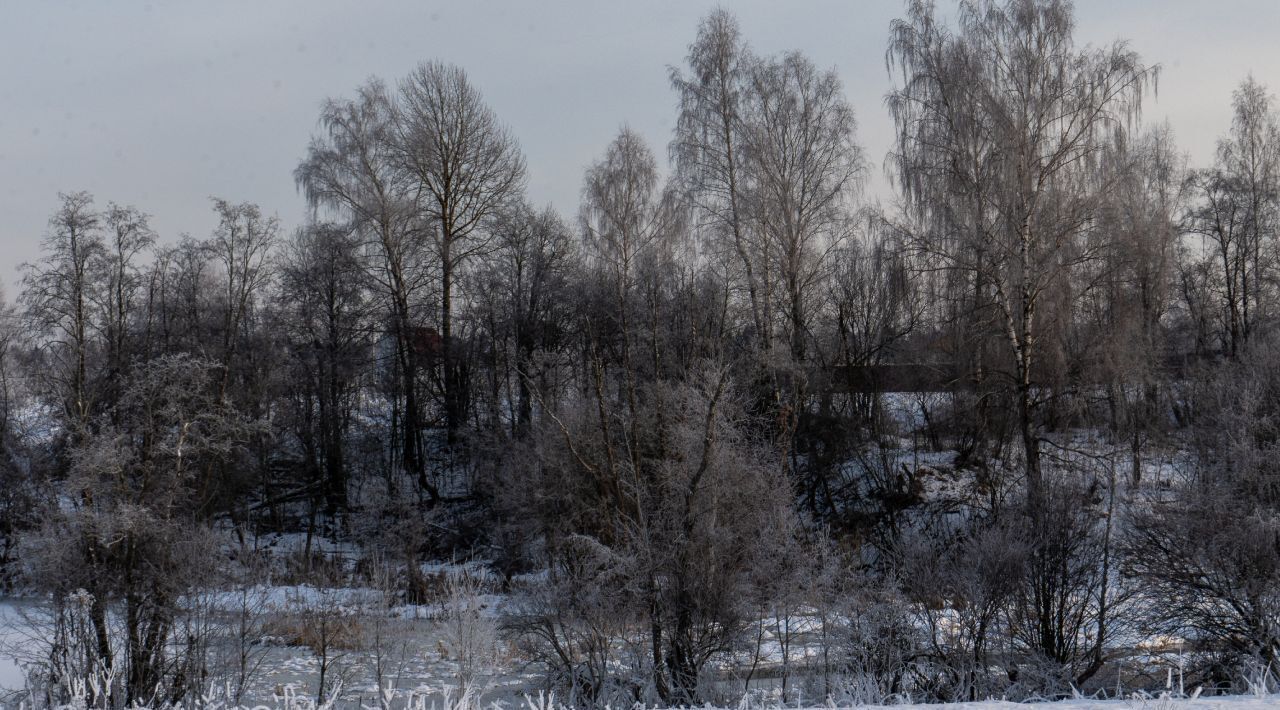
{"x": 11, "y": 676}
{"x": 428, "y": 698}
{"x": 1135, "y": 702}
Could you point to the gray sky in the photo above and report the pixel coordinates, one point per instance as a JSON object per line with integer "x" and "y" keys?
{"x": 163, "y": 104}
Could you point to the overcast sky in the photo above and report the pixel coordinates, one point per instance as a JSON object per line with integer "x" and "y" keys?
{"x": 164, "y": 104}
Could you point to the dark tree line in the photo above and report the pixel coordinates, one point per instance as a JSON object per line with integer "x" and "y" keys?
{"x": 670, "y": 405}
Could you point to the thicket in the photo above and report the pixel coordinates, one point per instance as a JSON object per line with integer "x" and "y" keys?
{"x": 731, "y": 424}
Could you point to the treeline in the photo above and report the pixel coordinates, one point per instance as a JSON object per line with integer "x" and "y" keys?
{"x": 649, "y": 404}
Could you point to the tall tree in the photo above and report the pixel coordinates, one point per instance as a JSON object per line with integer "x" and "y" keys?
{"x": 242, "y": 244}
{"x": 351, "y": 170}
{"x": 803, "y": 167}
{"x": 525, "y": 284}
{"x": 465, "y": 165}
{"x": 1123, "y": 318}
{"x": 624, "y": 219}
{"x": 1238, "y": 213}
{"x": 58, "y": 295}
{"x": 998, "y": 122}
{"x": 128, "y": 236}
{"x": 324, "y": 312}
{"x": 708, "y": 148}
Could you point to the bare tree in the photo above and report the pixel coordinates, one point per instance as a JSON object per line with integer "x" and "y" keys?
{"x": 464, "y": 165}
{"x": 58, "y": 294}
{"x": 1206, "y": 555}
{"x": 800, "y": 172}
{"x": 134, "y": 535}
{"x": 18, "y": 487}
{"x": 709, "y": 148}
{"x": 524, "y": 296}
{"x": 876, "y": 304}
{"x": 998, "y": 121}
{"x": 325, "y": 311}
{"x": 1237, "y": 210}
{"x": 803, "y": 169}
{"x": 242, "y": 244}
{"x": 655, "y": 559}
{"x": 351, "y": 169}
{"x": 1123, "y": 318}
{"x": 179, "y": 304}
{"x": 625, "y": 219}
{"x": 128, "y": 236}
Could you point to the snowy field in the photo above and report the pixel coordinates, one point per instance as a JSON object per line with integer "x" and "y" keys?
{"x": 10, "y": 623}
{"x": 420, "y": 666}
{"x": 434, "y": 701}
{"x": 1232, "y": 702}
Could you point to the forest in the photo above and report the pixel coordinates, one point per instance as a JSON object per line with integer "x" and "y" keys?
{"x": 734, "y": 429}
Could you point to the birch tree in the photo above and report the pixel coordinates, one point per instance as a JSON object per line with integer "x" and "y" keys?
{"x": 804, "y": 167}
{"x": 708, "y": 150}
{"x": 998, "y": 122}
{"x": 351, "y": 171}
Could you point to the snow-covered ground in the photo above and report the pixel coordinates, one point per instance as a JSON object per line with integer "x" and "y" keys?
{"x": 10, "y": 672}
{"x": 422, "y": 663}
{"x": 436, "y": 701}
{"x": 412, "y": 643}
{"x": 1137, "y": 702}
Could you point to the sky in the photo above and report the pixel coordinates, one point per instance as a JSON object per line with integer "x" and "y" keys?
{"x": 163, "y": 105}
